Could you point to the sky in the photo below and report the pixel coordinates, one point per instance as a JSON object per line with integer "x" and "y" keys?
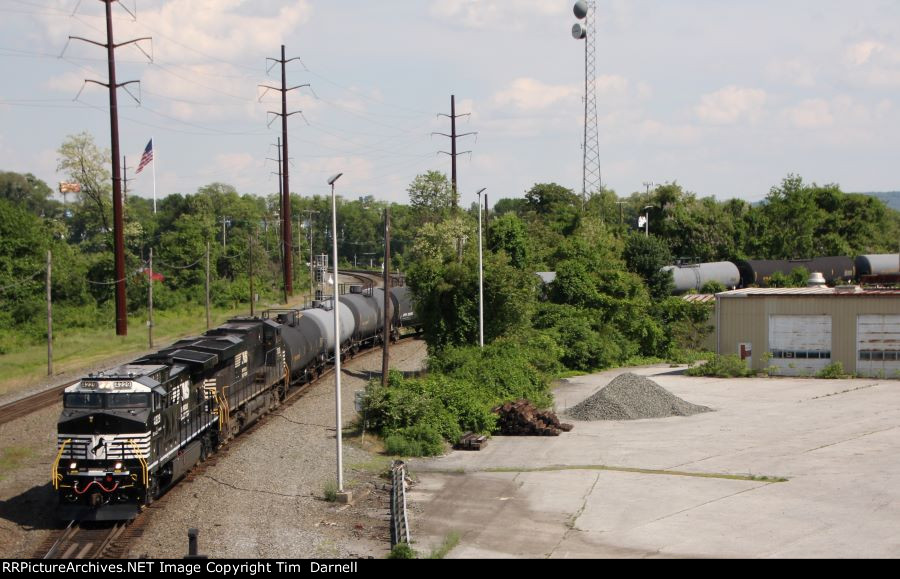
{"x": 726, "y": 98}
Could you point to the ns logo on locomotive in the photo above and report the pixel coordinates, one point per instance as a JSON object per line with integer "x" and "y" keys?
{"x": 128, "y": 434}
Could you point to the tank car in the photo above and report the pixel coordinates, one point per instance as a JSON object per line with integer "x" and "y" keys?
{"x": 878, "y": 264}
{"x": 694, "y": 277}
{"x": 758, "y": 272}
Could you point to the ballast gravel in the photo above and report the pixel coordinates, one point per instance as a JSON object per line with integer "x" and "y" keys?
{"x": 633, "y": 397}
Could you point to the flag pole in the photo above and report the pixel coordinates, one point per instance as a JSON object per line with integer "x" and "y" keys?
{"x": 154, "y": 175}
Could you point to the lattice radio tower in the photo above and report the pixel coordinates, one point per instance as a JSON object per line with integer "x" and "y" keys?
{"x": 591, "y": 176}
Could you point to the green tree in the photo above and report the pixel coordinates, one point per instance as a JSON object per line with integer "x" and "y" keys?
{"x": 646, "y": 256}
{"x": 83, "y": 162}
{"x": 431, "y": 195}
{"x": 28, "y": 192}
{"x": 507, "y": 233}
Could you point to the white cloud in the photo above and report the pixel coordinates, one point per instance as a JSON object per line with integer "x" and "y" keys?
{"x": 811, "y": 114}
{"x": 796, "y": 72}
{"x": 874, "y": 64}
{"x": 731, "y": 105}
{"x": 860, "y": 53}
{"x": 483, "y": 13}
{"x": 528, "y": 94}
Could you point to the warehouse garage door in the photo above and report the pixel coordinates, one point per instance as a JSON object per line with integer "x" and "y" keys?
{"x": 799, "y": 345}
{"x": 878, "y": 345}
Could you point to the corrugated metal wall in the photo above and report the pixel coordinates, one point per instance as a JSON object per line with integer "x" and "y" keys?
{"x": 745, "y": 319}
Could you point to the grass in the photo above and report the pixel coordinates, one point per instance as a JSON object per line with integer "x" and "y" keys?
{"x": 451, "y": 540}
{"x": 330, "y": 491}
{"x": 11, "y": 458}
{"x": 78, "y": 349}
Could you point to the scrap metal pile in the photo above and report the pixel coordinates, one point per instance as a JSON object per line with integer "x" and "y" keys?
{"x": 522, "y": 418}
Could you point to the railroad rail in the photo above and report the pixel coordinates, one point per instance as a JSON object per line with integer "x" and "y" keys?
{"x": 33, "y": 403}
{"x": 41, "y": 400}
{"x": 84, "y": 541}
{"x": 111, "y": 541}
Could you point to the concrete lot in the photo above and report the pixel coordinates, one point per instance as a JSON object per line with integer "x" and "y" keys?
{"x": 836, "y": 441}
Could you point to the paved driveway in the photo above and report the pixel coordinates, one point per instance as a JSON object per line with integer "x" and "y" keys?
{"x": 684, "y": 486}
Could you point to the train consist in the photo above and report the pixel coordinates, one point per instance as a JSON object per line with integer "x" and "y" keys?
{"x": 757, "y": 273}
{"x": 127, "y": 434}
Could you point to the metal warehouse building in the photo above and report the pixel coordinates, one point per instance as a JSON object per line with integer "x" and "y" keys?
{"x": 799, "y": 331}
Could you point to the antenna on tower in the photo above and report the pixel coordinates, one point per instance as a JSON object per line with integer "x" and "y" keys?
{"x": 591, "y": 176}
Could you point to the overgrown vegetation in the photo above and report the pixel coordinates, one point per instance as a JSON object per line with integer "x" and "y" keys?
{"x": 832, "y": 371}
{"x": 402, "y": 551}
{"x": 451, "y": 540}
{"x": 722, "y": 366}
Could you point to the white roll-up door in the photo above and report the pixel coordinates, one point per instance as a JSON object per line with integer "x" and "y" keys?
{"x": 799, "y": 345}
{"x": 878, "y": 345}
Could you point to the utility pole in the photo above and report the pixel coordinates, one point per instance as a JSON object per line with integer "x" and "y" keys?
{"x": 453, "y": 154}
{"x": 388, "y": 314}
{"x": 207, "y": 286}
{"x": 621, "y": 216}
{"x": 125, "y": 180}
{"x": 286, "y": 189}
{"x": 250, "y": 260}
{"x": 49, "y": 320}
{"x": 648, "y": 184}
{"x": 285, "y": 246}
{"x": 150, "y": 303}
{"x": 118, "y": 212}
{"x": 224, "y": 249}
{"x": 309, "y": 214}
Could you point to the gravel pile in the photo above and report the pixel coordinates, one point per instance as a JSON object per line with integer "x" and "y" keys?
{"x": 633, "y": 397}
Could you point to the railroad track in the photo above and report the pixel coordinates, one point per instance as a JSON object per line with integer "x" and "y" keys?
{"x": 41, "y": 400}
{"x": 112, "y": 540}
{"x": 33, "y": 403}
{"x": 84, "y": 541}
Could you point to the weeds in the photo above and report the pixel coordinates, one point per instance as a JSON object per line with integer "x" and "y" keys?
{"x": 451, "y": 540}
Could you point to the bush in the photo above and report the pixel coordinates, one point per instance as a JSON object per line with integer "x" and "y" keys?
{"x": 416, "y": 415}
{"x": 420, "y": 440}
{"x": 730, "y": 366}
{"x": 402, "y": 551}
{"x": 832, "y": 371}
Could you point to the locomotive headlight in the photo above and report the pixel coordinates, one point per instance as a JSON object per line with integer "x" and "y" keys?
{"x": 73, "y": 466}
{"x": 118, "y": 466}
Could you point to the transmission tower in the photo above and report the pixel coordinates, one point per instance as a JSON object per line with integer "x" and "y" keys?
{"x": 591, "y": 177}
{"x": 285, "y": 188}
{"x": 453, "y": 154}
{"x": 118, "y": 210}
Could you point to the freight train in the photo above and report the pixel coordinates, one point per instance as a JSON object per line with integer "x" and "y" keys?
{"x": 757, "y": 273}
{"x": 127, "y": 434}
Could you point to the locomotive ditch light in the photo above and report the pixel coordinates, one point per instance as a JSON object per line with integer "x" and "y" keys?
{"x": 73, "y": 466}
{"x": 118, "y": 466}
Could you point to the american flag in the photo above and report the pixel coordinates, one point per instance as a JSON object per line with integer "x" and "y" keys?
{"x": 146, "y": 157}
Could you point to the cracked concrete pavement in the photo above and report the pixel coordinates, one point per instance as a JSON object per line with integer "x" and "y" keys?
{"x": 683, "y": 486}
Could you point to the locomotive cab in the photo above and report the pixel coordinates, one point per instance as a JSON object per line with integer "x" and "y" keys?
{"x": 103, "y": 442}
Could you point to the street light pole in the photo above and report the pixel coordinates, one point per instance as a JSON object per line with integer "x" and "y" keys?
{"x": 480, "y": 277}
{"x": 337, "y": 340}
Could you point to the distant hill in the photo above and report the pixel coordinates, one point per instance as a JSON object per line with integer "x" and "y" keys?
{"x": 891, "y": 198}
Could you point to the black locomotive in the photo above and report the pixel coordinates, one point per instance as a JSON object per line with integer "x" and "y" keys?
{"x": 127, "y": 434}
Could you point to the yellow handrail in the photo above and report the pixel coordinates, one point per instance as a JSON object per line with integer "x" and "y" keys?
{"x": 55, "y": 477}
{"x": 140, "y": 457}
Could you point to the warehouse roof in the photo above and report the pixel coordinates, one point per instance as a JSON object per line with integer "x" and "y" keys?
{"x": 855, "y": 291}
